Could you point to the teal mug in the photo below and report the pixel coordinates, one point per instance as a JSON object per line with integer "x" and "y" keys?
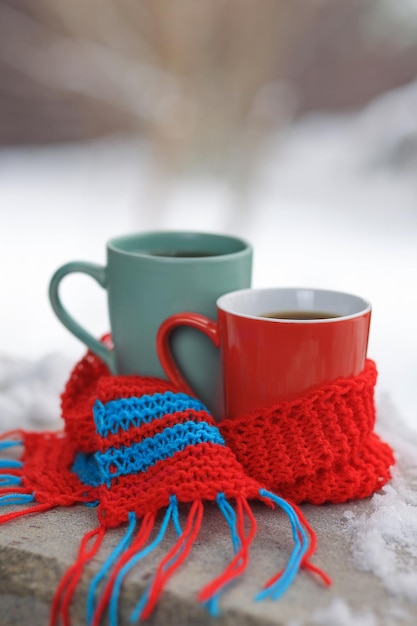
{"x": 149, "y": 277}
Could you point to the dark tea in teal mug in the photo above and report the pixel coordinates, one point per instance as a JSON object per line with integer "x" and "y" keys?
{"x": 149, "y": 277}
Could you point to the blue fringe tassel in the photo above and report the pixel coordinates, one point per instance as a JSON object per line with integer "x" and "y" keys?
{"x": 10, "y": 444}
{"x": 229, "y": 514}
{"x": 213, "y": 606}
{"x": 16, "y": 498}
{"x": 230, "y": 517}
{"x": 278, "y": 588}
{"x": 137, "y": 611}
{"x": 107, "y": 565}
{"x": 10, "y": 464}
{"x": 9, "y": 480}
{"x": 175, "y": 516}
{"x": 114, "y": 599}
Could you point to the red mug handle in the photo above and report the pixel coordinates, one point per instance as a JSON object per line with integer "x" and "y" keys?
{"x": 168, "y": 363}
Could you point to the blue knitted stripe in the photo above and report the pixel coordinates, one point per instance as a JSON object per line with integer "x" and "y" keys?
{"x": 126, "y": 413}
{"x": 139, "y": 457}
{"x": 86, "y": 468}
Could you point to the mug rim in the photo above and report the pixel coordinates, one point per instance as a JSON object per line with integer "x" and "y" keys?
{"x": 222, "y": 304}
{"x": 114, "y": 245}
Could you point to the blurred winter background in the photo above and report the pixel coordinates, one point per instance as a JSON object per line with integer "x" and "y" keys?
{"x": 290, "y": 123}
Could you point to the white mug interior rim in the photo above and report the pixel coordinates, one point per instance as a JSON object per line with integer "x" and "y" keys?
{"x": 255, "y": 303}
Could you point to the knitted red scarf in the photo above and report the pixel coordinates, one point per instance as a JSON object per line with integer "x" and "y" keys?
{"x": 135, "y": 445}
{"x": 318, "y": 448}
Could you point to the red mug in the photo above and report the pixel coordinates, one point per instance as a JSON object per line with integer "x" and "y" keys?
{"x": 276, "y": 344}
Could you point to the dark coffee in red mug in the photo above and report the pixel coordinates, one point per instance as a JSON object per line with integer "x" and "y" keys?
{"x": 267, "y": 359}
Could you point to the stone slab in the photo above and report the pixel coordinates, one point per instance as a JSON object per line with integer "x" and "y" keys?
{"x": 35, "y": 551}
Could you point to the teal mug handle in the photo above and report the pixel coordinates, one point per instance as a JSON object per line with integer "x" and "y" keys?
{"x": 99, "y": 273}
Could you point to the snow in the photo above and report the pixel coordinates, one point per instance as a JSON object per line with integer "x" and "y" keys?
{"x": 30, "y": 390}
{"x": 333, "y": 204}
{"x": 338, "y": 613}
{"x": 384, "y": 541}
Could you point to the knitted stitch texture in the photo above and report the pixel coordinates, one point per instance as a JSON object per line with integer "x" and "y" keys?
{"x": 156, "y": 442}
{"x": 317, "y": 448}
{"x": 133, "y": 446}
{"x": 42, "y": 475}
{"x": 78, "y": 399}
